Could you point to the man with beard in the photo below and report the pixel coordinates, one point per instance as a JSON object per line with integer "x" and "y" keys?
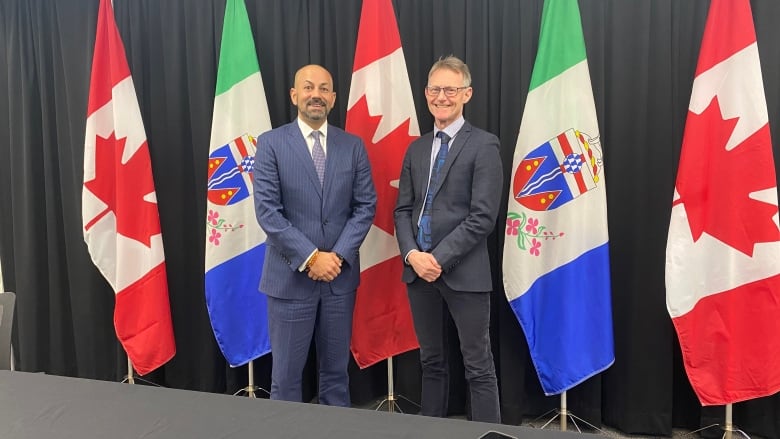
{"x": 315, "y": 200}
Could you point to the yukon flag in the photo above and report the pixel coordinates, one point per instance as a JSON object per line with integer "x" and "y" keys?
{"x": 556, "y": 249}
{"x": 723, "y": 252}
{"x": 381, "y": 111}
{"x": 235, "y": 243}
{"x": 119, "y": 204}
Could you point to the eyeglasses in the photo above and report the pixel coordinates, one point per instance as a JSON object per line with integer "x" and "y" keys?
{"x": 448, "y": 91}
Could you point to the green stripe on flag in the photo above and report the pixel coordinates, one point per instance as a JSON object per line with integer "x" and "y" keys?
{"x": 561, "y": 44}
{"x": 238, "y": 58}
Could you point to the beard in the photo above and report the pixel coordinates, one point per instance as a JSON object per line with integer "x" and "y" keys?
{"x": 315, "y": 113}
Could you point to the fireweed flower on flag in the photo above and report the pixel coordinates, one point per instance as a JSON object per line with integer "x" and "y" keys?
{"x": 235, "y": 248}
{"x": 556, "y": 271}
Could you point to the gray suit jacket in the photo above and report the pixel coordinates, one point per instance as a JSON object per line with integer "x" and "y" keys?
{"x": 299, "y": 215}
{"x": 465, "y": 206}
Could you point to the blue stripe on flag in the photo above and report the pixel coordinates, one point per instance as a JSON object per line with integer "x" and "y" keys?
{"x": 237, "y": 309}
{"x": 560, "y": 313}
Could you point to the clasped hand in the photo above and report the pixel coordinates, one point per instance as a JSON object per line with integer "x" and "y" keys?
{"x": 425, "y": 265}
{"x": 326, "y": 267}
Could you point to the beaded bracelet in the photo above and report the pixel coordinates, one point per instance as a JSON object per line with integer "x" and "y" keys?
{"x": 311, "y": 260}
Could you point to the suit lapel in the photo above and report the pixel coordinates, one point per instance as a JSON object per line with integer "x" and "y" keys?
{"x": 300, "y": 148}
{"x": 455, "y": 148}
{"x": 332, "y": 160}
{"x": 423, "y": 164}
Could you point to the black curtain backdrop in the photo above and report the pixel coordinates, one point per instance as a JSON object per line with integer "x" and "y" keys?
{"x": 642, "y": 57}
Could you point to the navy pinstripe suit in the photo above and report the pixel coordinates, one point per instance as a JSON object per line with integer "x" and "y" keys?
{"x": 299, "y": 215}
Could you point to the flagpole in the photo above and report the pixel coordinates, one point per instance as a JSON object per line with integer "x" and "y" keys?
{"x": 130, "y": 378}
{"x": 251, "y": 380}
{"x": 563, "y": 412}
{"x": 729, "y": 427}
{"x": 251, "y": 388}
{"x": 391, "y": 400}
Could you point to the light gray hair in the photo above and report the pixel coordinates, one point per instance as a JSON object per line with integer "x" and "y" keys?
{"x": 454, "y": 64}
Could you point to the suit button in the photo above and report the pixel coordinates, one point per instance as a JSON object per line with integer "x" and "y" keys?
{"x": 325, "y": 223}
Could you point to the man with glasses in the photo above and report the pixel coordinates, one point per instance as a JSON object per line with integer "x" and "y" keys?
{"x": 448, "y": 200}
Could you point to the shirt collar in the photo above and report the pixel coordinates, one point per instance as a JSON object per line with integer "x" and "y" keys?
{"x": 306, "y": 129}
{"x": 451, "y": 129}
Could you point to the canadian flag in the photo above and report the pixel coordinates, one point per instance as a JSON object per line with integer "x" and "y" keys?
{"x": 723, "y": 252}
{"x": 119, "y": 204}
{"x": 381, "y": 111}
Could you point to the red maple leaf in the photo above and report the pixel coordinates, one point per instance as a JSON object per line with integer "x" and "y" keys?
{"x": 715, "y": 184}
{"x": 123, "y": 186}
{"x": 386, "y": 157}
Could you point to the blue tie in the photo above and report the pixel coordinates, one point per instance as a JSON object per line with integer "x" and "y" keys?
{"x": 424, "y": 231}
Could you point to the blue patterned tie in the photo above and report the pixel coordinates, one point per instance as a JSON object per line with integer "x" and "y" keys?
{"x": 424, "y": 231}
{"x": 318, "y": 155}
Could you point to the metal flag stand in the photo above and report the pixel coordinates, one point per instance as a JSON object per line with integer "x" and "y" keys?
{"x": 564, "y": 415}
{"x": 251, "y": 388}
{"x": 728, "y": 428}
{"x": 391, "y": 401}
{"x": 130, "y": 378}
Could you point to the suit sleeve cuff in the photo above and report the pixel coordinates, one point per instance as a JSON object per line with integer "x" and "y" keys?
{"x": 302, "y": 267}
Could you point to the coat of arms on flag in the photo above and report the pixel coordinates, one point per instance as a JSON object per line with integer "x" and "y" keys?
{"x": 229, "y": 182}
{"x": 230, "y": 171}
{"x": 561, "y": 298}
{"x": 235, "y": 245}
{"x": 557, "y": 171}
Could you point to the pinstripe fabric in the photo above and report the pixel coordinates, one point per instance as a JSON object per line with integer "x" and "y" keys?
{"x": 331, "y": 338}
{"x": 300, "y": 213}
